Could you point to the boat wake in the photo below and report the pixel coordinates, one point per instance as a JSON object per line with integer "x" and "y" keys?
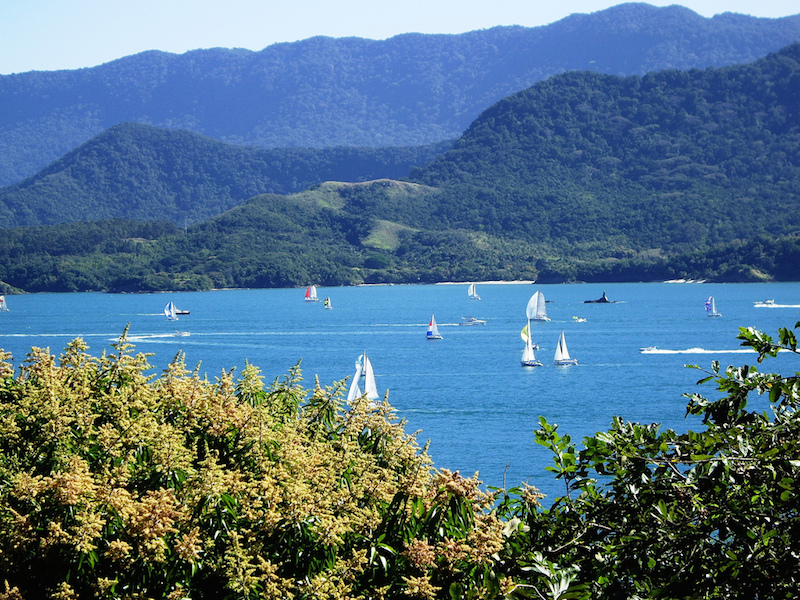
{"x": 654, "y": 350}
{"x": 772, "y": 305}
{"x": 156, "y": 336}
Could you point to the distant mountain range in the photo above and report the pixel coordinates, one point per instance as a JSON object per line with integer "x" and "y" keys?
{"x": 584, "y": 176}
{"x": 409, "y": 90}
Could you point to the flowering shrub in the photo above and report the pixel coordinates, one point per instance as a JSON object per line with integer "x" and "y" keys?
{"x": 118, "y": 484}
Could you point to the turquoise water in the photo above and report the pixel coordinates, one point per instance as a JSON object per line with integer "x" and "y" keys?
{"x": 466, "y": 393}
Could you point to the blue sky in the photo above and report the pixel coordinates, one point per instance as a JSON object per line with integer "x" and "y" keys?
{"x": 49, "y": 35}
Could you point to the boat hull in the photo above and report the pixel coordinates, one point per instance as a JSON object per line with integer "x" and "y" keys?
{"x": 530, "y": 363}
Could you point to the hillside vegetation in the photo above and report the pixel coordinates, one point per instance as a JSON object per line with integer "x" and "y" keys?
{"x": 134, "y": 171}
{"x": 409, "y": 90}
{"x": 583, "y": 177}
{"x": 670, "y": 162}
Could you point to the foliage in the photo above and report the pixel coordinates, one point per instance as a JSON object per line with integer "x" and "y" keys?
{"x": 583, "y": 177}
{"x": 674, "y": 162}
{"x": 707, "y": 514}
{"x": 118, "y": 484}
{"x": 134, "y": 171}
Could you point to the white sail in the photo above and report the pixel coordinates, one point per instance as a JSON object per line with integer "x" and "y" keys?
{"x": 528, "y": 357}
{"x": 363, "y": 369}
{"x": 311, "y": 294}
{"x": 562, "y": 354}
{"x": 472, "y": 292}
{"x": 560, "y": 350}
{"x": 536, "y": 310}
{"x": 169, "y": 311}
{"x": 355, "y": 391}
{"x": 3, "y": 305}
{"x": 370, "y": 389}
{"x": 433, "y": 330}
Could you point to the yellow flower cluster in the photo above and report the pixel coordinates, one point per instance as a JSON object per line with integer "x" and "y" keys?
{"x": 128, "y": 486}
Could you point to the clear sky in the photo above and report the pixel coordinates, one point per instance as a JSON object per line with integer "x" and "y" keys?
{"x": 48, "y": 35}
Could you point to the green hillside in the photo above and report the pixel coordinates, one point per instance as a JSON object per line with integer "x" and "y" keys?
{"x": 582, "y": 177}
{"x": 134, "y": 171}
{"x": 673, "y": 161}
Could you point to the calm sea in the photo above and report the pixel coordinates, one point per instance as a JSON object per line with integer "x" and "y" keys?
{"x": 466, "y": 393}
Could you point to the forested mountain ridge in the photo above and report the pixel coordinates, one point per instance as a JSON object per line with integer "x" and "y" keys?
{"x": 674, "y": 160}
{"x": 409, "y": 90}
{"x": 135, "y": 171}
{"x": 582, "y": 177}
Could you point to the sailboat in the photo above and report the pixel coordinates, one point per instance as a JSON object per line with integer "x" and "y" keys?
{"x": 433, "y": 330}
{"x": 170, "y": 311}
{"x": 363, "y": 368}
{"x": 472, "y": 292}
{"x": 711, "y": 308}
{"x": 311, "y": 294}
{"x": 562, "y": 354}
{"x": 328, "y": 303}
{"x": 536, "y": 308}
{"x": 528, "y": 357}
{"x": 3, "y": 305}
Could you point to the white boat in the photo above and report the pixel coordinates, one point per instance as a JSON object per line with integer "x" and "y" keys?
{"x": 328, "y": 303}
{"x": 3, "y": 305}
{"x": 433, "y": 330}
{"x": 579, "y": 319}
{"x": 311, "y": 294}
{"x": 763, "y": 303}
{"x": 472, "y": 292}
{"x": 170, "y": 311}
{"x": 528, "y": 357}
{"x": 711, "y": 308}
{"x": 536, "y": 308}
{"x": 531, "y": 311}
{"x": 363, "y": 369}
{"x": 562, "y": 354}
{"x": 472, "y": 321}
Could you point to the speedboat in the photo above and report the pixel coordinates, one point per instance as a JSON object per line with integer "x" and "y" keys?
{"x": 471, "y": 321}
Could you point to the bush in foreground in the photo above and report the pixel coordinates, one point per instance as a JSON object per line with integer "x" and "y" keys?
{"x": 118, "y": 484}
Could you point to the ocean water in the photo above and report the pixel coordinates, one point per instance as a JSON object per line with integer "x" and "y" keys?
{"x": 466, "y": 393}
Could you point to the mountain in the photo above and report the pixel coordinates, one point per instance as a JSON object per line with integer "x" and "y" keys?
{"x": 409, "y": 90}
{"x": 673, "y": 161}
{"x": 135, "y": 171}
{"x": 591, "y": 177}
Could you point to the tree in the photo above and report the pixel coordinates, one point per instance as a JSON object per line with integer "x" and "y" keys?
{"x": 709, "y": 514}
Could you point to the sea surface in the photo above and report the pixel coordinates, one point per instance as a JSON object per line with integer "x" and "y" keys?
{"x": 467, "y": 392}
